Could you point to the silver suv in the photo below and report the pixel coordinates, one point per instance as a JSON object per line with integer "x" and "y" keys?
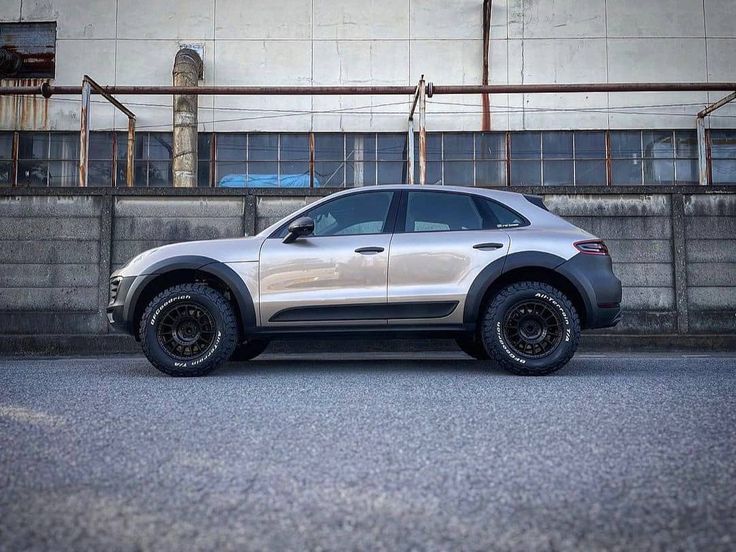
{"x": 511, "y": 282}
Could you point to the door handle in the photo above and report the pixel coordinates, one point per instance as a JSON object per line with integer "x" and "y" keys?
{"x": 487, "y": 246}
{"x": 369, "y": 250}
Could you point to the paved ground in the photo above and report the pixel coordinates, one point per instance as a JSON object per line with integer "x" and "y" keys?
{"x": 615, "y": 453}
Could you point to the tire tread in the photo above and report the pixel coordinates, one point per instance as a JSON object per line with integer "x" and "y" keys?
{"x": 487, "y": 329}
{"x": 229, "y": 330}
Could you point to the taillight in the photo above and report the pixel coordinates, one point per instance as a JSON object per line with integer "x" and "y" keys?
{"x": 592, "y": 247}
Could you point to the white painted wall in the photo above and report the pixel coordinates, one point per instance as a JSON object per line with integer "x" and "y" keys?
{"x": 393, "y": 42}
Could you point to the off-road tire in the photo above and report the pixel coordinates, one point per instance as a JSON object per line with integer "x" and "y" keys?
{"x": 219, "y": 312}
{"x": 249, "y": 350}
{"x": 495, "y": 333}
{"x": 472, "y": 347}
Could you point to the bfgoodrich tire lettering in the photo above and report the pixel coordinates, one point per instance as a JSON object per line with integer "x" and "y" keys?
{"x": 188, "y": 330}
{"x": 530, "y": 329}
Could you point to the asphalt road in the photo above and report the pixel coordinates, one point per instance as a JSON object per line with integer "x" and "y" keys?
{"x": 367, "y": 452}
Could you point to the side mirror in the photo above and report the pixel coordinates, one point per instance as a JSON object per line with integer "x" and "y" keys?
{"x": 303, "y": 226}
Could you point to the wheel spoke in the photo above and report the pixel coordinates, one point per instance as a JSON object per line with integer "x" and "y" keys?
{"x": 533, "y": 328}
{"x": 186, "y": 330}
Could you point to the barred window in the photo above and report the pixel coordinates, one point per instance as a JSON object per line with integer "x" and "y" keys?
{"x": 723, "y": 154}
{"x": 337, "y": 160}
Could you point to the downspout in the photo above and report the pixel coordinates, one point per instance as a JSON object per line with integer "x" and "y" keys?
{"x": 187, "y": 72}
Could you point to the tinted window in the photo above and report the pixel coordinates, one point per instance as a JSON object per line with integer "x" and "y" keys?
{"x": 496, "y": 215}
{"x": 363, "y": 213}
{"x": 441, "y": 211}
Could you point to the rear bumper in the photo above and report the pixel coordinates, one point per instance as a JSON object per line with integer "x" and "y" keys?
{"x": 599, "y": 288}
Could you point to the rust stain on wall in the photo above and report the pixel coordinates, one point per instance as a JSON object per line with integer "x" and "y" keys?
{"x": 23, "y": 112}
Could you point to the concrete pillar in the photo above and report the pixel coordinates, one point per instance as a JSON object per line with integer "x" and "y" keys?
{"x": 187, "y": 72}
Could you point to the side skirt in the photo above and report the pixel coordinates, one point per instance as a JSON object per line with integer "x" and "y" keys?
{"x": 450, "y": 331}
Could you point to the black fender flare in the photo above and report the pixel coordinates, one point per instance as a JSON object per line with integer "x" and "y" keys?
{"x": 499, "y": 267}
{"x": 207, "y": 265}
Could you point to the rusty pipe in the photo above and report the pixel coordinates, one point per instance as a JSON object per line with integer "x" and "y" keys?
{"x": 48, "y": 90}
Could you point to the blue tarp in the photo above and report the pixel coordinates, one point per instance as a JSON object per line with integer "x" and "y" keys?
{"x": 266, "y": 181}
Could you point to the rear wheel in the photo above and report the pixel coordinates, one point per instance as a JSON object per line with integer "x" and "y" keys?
{"x": 472, "y": 347}
{"x": 249, "y": 350}
{"x": 188, "y": 330}
{"x": 530, "y": 329}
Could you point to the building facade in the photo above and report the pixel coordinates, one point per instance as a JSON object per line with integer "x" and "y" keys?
{"x": 623, "y": 166}
{"x": 582, "y": 139}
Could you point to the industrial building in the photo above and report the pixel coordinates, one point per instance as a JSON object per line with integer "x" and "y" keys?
{"x": 627, "y": 165}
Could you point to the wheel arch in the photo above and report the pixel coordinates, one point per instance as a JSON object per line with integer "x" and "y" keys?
{"x": 190, "y": 269}
{"x": 518, "y": 267}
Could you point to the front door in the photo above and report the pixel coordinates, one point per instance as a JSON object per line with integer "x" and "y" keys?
{"x": 337, "y": 274}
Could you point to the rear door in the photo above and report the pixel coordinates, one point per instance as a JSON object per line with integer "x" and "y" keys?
{"x": 442, "y": 241}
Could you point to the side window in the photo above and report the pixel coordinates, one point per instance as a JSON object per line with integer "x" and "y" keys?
{"x": 496, "y": 215}
{"x": 363, "y": 213}
{"x": 441, "y": 211}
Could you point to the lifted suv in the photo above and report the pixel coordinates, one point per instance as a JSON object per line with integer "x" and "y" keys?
{"x": 511, "y": 282}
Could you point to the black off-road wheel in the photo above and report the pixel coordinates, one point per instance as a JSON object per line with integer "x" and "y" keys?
{"x": 472, "y": 347}
{"x": 530, "y": 329}
{"x": 249, "y": 350}
{"x": 188, "y": 330}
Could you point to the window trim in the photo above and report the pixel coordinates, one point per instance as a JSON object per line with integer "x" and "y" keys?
{"x": 389, "y": 226}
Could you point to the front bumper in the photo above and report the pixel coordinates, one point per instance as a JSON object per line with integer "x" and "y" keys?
{"x": 116, "y": 316}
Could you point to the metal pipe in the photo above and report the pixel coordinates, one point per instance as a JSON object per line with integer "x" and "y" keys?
{"x": 422, "y": 133}
{"x": 96, "y": 88}
{"x": 410, "y": 152}
{"x": 704, "y": 146}
{"x": 48, "y": 90}
{"x": 703, "y": 172}
{"x": 84, "y": 133}
{"x": 590, "y": 87}
{"x": 129, "y": 165}
{"x": 186, "y": 73}
{"x": 717, "y": 105}
{"x": 485, "y": 99}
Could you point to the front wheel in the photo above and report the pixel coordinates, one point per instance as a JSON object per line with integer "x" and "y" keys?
{"x": 530, "y": 329}
{"x": 188, "y": 330}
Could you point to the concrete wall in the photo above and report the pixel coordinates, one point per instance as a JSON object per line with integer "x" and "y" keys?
{"x": 674, "y": 251}
{"x": 392, "y": 42}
